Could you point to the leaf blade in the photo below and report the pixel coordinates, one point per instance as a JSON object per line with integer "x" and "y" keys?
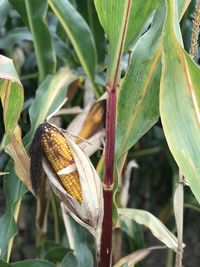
{"x": 49, "y": 97}
{"x": 114, "y": 15}
{"x": 137, "y": 104}
{"x": 78, "y": 33}
{"x": 157, "y": 228}
{"x": 33, "y": 13}
{"x": 180, "y": 105}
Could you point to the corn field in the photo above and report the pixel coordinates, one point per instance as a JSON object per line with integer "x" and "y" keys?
{"x": 99, "y": 133}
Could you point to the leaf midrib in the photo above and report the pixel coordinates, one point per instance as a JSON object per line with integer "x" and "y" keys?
{"x": 138, "y": 106}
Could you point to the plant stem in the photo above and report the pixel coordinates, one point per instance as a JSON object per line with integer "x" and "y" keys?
{"x": 110, "y": 139}
{"x": 111, "y": 86}
{"x": 178, "y": 209}
{"x": 106, "y": 239}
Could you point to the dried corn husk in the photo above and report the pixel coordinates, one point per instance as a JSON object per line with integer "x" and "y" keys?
{"x": 88, "y": 212}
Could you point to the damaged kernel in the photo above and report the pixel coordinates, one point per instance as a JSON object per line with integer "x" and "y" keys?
{"x": 59, "y": 155}
{"x": 72, "y": 177}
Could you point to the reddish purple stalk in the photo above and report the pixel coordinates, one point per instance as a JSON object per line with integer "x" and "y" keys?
{"x": 106, "y": 239}
{"x": 110, "y": 138}
{"x": 112, "y": 84}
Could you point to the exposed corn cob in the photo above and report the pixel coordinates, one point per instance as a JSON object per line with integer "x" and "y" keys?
{"x": 92, "y": 122}
{"x": 59, "y": 155}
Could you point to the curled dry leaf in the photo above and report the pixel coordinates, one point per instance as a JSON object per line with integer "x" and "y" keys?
{"x": 17, "y": 151}
{"x": 157, "y": 228}
{"x": 137, "y": 256}
{"x": 124, "y": 196}
{"x": 71, "y": 174}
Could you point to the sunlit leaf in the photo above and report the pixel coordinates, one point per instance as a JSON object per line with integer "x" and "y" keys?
{"x": 180, "y": 104}
{"x": 11, "y": 93}
{"x": 157, "y": 228}
{"x": 12, "y": 100}
{"x": 114, "y": 15}
{"x": 137, "y": 24}
{"x": 137, "y": 105}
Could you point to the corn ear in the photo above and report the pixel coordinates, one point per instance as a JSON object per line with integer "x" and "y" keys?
{"x": 93, "y": 121}
{"x": 89, "y": 211}
{"x": 89, "y": 125}
{"x": 58, "y": 153}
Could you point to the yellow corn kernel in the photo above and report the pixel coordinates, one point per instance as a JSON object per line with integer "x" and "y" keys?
{"x": 59, "y": 155}
{"x": 92, "y": 122}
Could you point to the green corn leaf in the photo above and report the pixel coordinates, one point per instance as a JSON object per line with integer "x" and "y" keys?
{"x": 138, "y": 99}
{"x": 49, "y": 97}
{"x": 113, "y": 15}
{"x": 137, "y": 24}
{"x": 78, "y": 32}
{"x": 8, "y": 219}
{"x": 180, "y": 103}
{"x": 33, "y": 13}
{"x": 11, "y": 93}
{"x": 12, "y": 98}
{"x": 137, "y": 105}
{"x": 81, "y": 239}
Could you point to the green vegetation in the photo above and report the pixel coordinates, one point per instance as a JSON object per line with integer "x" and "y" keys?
{"x": 122, "y": 77}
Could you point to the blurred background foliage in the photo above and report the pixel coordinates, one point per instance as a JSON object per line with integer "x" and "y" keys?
{"x": 152, "y": 183}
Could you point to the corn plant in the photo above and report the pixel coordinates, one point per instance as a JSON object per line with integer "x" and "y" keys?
{"x": 84, "y": 86}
